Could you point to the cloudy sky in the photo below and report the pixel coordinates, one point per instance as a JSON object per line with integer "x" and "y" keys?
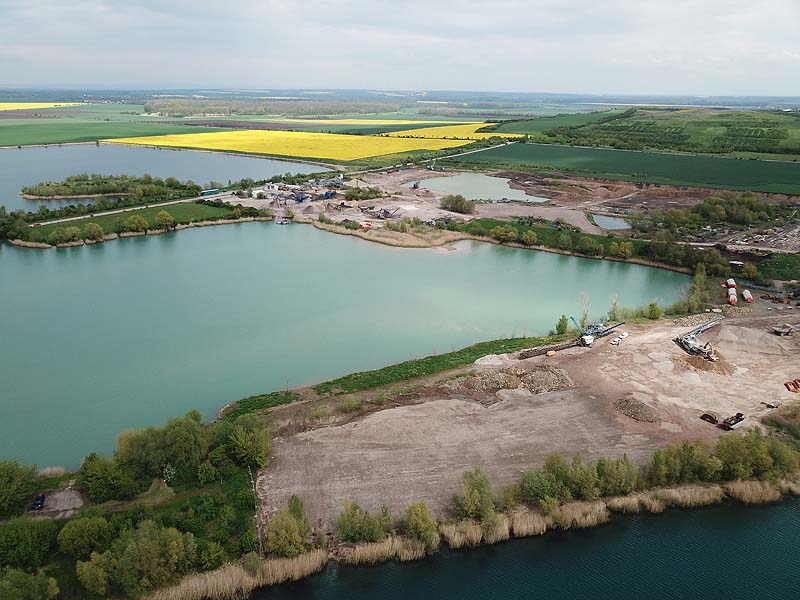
{"x": 703, "y": 47}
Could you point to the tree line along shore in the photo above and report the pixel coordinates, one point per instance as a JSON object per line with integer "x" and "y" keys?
{"x": 176, "y": 502}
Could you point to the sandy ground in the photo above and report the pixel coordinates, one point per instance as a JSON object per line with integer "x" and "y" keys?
{"x": 419, "y": 452}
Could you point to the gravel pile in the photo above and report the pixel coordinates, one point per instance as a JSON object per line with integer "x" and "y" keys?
{"x": 537, "y": 380}
{"x": 695, "y": 320}
{"x": 636, "y": 410}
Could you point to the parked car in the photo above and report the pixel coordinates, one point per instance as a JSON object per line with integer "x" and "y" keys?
{"x": 38, "y": 502}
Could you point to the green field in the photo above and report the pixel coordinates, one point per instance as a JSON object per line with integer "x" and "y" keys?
{"x": 781, "y": 266}
{"x": 709, "y": 131}
{"x": 545, "y": 123}
{"x": 183, "y": 213}
{"x": 672, "y": 169}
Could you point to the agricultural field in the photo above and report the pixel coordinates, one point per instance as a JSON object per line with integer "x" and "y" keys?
{"x": 35, "y": 105}
{"x": 742, "y": 133}
{"x": 70, "y": 123}
{"x": 296, "y": 144}
{"x": 670, "y": 169}
{"x": 465, "y": 131}
{"x": 538, "y": 125}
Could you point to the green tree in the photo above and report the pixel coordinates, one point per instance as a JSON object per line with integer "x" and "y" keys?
{"x": 72, "y": 234}
{"x": 57, "y": 236}
{"x": 212, "y": 556}
{"x": 18, "y": 585}
{"x": 419, "y": 524}
{"x": 357, "y": 525}
{"x": 562, "y": 325}
{"x": 106, "y": 479}
{"x": 298, "y": 511}
{"x": 564, "y": 241}
{"x": 82, "y": 536}
{"x": 529, "y": 238}
{"x": 135, "y": 223}
{"x": 476, "y": 502}
{"x": 285, "y": 537}
{"x": 164, "y": 220}
{"x": 457, "y": 203}
{"x": 207, "y": 473}
{"x": 16, "y": 482}
{"x": 25, "y": 543}
{"x": 538, "y": 485}
{"x": 185, "y": 441}
{"x": 583, "y": 481}
{"x": 145, "y": 450}
{"x": 750, "y": 271}
{"x": 251, "y": 446}
{"x": 93, "y": 231}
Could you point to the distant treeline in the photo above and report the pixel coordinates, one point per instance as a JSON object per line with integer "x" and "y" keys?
{"x": 146, "y": 186}
{"x": 305, "y": 108}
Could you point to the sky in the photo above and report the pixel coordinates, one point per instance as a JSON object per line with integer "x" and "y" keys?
{"x": 697, "y": 47}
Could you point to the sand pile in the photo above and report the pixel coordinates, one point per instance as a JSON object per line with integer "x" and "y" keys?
{"x": 636, "y": 409}
{"x": 537, "y": 380}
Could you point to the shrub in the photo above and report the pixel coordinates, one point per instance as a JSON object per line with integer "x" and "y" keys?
{"x": 419, "y": 524}
{"x": 82, "y": 536}
{"x": 18, "y": 585}
{"x": 323, "y": 218}
{"x": 349, "y": 405}
{"x": 538, "y": 485}
{"x": 135, "y": 223}
{"x": 284, "y": 535}
{"x": 106, "y": 479}
{"x": 207, "y": 473}
{"x": 57, "y": 236}
{"x": 16, "y": 482}
{"x": 357, "y": 525}
{"x": 476, "y": 501}
{"x": 457, "y": 203}
{"x": 72, "y": 234}
{"x": 529, "y": 238}
{"x": 562, "y": 325}
{"x": 93, "y": 231}
{"x": 164, "y": 220}
{"x": 25, "y": 543}
{"x": 250, "y": 445}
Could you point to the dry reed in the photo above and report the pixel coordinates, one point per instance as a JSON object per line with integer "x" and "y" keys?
{"x": 525, "y": 522}
{"x": 623, "y": 504}
{"x": 408, "y": 549}
{"x": 651, "y": 504}
{"x": 52, "y": 472}
{"x": 753, "y": 492}
{"x": 462, "y": 534}
{"x": 789, "y": 487}
{"x": 500, "y": 532}
{"x": 371, "y": 553}
{"x": 232, "y": 582}
{"x": 579, "y": 515}
{"x": 691, "y": 496}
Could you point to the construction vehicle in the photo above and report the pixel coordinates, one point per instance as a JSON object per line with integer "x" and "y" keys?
{"x": 432, "y": 166}
{"x": 785, "y": 329}
{"x": 733, "y": 422}
{"x": 586, "y": 339}
{"x": 690, "y": 343}
{"x": 415, "y": 185}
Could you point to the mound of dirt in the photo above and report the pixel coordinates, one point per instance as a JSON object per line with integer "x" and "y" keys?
{"x": 537, "y": 380}
{"x": 720, "y": 367}
{"x": 636, "y": 409}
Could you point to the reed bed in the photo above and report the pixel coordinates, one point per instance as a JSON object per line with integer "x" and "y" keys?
{"x": 753, "y": 492}
{"x": 500, "y": 532}
{"x": 464, "y": 534}
{"x": 691, "y": 496}
{"x": 232, "y": 582}
{"x": 52, "y": 472}
{"x": 623, "y": 504}
{"x": 408, "y": 549}
{"x": 371, "y": 553}
{"x": 651, "y": 503}
{"x": 525, "y": 523}
{"x": 789, "y": 487}
{"x": 579, "y": 515}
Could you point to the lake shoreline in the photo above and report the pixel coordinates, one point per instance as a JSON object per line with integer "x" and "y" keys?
{"x": 71, "y": 196}
{"x": 518, "y": 523}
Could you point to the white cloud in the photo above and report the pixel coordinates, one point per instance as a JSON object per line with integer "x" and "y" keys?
{"x": 616, "y": 46}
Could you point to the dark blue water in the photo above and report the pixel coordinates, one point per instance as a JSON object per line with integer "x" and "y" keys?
{"x": 25, "y": 166}
{"x": 728, "y": 553}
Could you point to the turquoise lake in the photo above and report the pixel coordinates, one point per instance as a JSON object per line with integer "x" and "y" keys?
{"x": 132, "y": 332}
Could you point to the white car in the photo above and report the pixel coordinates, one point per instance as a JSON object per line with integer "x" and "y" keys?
{"x": 623, "y": 335}
{"x": 615, "y": 341}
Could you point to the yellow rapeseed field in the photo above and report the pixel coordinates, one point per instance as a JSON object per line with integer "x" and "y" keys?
{"x": 465, "y": 131}
{"x": 34, "y": 105}
{"x": 299, "y": 144}
{"x": 323, "y": 122}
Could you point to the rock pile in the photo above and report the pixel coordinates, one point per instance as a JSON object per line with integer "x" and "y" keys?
{"x": 636, "y": 409}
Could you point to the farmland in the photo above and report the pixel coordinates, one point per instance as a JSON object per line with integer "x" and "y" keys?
{"x": 34, "y": 105}
{"x": 296, "y": 144}
{"x": 670, "y": 169}
{"x": 464, "y": 131}
{"x": 528, "y": 126}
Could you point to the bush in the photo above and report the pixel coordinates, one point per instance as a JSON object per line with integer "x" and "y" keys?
{"x": 476, "y": 501}
{"x": 135, "y": 223}
{"x": 529, "y": 238}
{"x": 562, "y": 325}
{"x": 367, "y": 193}
{"x": 164, "y": 220}
{"x": 93, "y": 231}
{"x": 16, "y": 482}
{"x": 285, "y": 537}
{"x": 357, "y": 525}
{"x": 72, "y": 234}
{"x": 25, "y": 543}
{"x": 207, "y": 473}
{"x": 106, "y": 479}
{"x": 18, "y": 585}
{"x": 82, "y": 536}
{"x": 457, "y": 203}
{"x": 250, "y": 443}
{"x": 419, "y": 524}
{"x": 349, "y": 405}
{"x": 539, "y": 486}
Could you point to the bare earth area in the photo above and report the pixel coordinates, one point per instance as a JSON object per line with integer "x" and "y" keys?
{"x": 418, "y": 452}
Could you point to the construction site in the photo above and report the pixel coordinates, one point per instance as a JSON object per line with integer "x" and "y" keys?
{"x": 610, "y": 391}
